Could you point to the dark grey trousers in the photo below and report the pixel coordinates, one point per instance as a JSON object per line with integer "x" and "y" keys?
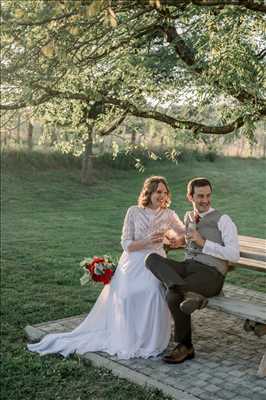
{"x": 179, "y": 277}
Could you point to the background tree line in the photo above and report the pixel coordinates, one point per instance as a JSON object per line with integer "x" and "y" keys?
{"x": 86, "y": 66}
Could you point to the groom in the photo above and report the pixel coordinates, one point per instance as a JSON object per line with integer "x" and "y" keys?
{"x": 211, "y": 241}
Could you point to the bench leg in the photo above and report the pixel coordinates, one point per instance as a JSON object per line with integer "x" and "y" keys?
{"x": 262, "y": 367}
{"x": 258, "y": 328}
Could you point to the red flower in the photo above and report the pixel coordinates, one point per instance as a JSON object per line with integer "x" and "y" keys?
{"x": 107, "y": 268}
{"x": 107, "y": 276}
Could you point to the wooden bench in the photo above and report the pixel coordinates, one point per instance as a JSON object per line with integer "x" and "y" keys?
{"x": 252, "y": 257}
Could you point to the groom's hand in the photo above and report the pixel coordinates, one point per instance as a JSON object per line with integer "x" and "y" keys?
{"x": 196, "y": 237}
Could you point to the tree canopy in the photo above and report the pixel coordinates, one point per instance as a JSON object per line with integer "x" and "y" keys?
{"x": 92, "y": 62}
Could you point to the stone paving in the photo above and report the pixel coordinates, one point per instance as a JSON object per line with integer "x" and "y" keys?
{"x": 225, "y": 366}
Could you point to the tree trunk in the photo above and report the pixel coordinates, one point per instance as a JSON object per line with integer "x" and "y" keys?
{"x": 53, "y": 135}
{"x": 87, "y": 162}
{"x": 18, "y": 129}
{"x": 4, "y": 136}
{"x": 264, "y": 145}
{"x": 133, "y": 137}
{"x": 151, "y": 132}
{"x": 30, "y": 136}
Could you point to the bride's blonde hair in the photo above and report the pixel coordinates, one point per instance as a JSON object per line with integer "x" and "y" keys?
{"x": 149, "y": 187}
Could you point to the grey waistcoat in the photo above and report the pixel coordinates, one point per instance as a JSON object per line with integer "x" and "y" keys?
{"x": 208, "y": 228}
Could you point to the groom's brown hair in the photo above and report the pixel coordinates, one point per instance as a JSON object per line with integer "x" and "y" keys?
{"x": 197, "y": 182}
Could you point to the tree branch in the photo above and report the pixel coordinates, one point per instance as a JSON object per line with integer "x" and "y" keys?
{"x": 23, "y": 104}
{"x": 132, "y": 109}
{"x": 249, "y": 4}
{"x": 175, "y": 123}
{"x": 152, "y": 28}
{"x": 45, "y": 20}
{"x": 186, "y": 53}
{"x": 261, "y": 54}
{"x": 129, "y": 107}
{"x": 116, "y": 123}
{"x": 11, "y": 117}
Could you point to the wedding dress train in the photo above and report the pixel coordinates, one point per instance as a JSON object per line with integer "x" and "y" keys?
{"x": 130, "y": 317}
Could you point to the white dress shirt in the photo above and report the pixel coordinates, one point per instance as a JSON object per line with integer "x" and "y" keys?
{"x": 230, "y": 249}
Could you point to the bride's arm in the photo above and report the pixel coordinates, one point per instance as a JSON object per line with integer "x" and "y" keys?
{"x": 128, "y": 241}
{"x": 176, "y": 224}
{"x": 136, "y": 245}
{"x": 176, "y": 235}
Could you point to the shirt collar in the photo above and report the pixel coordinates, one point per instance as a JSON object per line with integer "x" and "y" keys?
{"x": 207, "y": 212}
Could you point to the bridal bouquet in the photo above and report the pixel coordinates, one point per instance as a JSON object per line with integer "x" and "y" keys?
{"x": 97, "y": 269}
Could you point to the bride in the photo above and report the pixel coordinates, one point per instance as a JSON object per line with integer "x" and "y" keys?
{"x": 130, "y": 317}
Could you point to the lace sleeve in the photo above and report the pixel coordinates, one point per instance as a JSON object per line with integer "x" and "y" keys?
{"x": 128, "y": 232}
{"x": 176, "y": 223}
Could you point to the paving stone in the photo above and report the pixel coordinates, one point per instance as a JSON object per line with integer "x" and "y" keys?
{"x": 57, "y": 328}
{"x": 161, "y": 377}
{"x": 33, "y": 334}
{"x": 258, "y": 396}
{"x": 196, "y": 391}
{"x": 232, "y": 387}
{"x": 174, "y": 382}
{"x": 242, "y": 398}
{"x": 228, "y": 363}
{"x": 212, "y": 388}
{"x": 263, "y": 382}
{"x": 221, "y": 374}
{"x": 212, "y": 365}
{"x": 208, "y": 396}
{"x": 180, "y": 385}
{"x": 201, "y": 383}
{"x": 227, "y": 394}
{"x": 236, "y": 373}
{"x": 217, "y": 381}
{"x": 186, "y": 383}
{"x": 225, "y": 366}
{"x": 204, "y": 376}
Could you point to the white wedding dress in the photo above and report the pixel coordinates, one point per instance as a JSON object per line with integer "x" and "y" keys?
{"x": 130, "y": 317}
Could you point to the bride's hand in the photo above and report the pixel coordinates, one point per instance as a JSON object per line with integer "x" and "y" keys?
{"x": 176, "y": 242}
{"x": 156, "y": 237}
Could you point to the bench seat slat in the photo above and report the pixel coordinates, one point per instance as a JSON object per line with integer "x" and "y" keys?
{"x": 253, "y": 245}
{"x": 252, "y": 240}
{"x": 245, "y": 253}
{"x": 256, "y": 249}
{"x": 241, "y": 309}
{"x": 261, "y": 244}
{"x": 254, "y": 265}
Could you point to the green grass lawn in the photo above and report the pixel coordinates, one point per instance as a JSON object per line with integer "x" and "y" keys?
{"x": 51, "y": 221}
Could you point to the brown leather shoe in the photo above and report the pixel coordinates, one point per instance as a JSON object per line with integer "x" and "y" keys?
{"x": 193, "y": 301}
{"x": 179, "y": 354}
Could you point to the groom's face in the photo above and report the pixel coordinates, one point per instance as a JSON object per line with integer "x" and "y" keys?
{"x": 201, "y": 198}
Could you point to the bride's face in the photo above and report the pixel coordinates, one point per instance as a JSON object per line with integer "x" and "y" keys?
{"x": 159, "y": 197}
